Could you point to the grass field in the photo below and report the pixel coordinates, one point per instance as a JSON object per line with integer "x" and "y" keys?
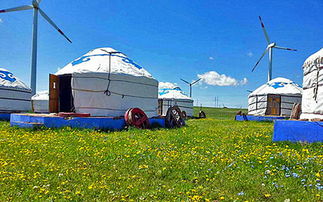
{"x": 210, "y": 159}
{"x": 219, "y": 113}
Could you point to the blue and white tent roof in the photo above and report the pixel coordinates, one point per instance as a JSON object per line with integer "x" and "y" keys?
{"x": 8, "y": 80}
{"x": 280, "y": 86}
{"x": 97, "y": 60}
{"x": 168, "y": 90}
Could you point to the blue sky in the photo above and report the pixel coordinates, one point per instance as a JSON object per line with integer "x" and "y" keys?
{"x": 171, "y": 39}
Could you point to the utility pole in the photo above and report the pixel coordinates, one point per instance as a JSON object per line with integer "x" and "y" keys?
{"x": 215, "y": 101}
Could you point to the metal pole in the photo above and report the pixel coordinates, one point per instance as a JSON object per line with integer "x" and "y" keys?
{"x": 190, "y": 90}
{"x": 270, "y": 64}
{"x": 217, "y": 102}
{"x": 34, "y": 53}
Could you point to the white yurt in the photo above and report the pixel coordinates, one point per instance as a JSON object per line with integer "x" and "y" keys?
{"x": 170, "y": 95}
{"x": 40, "y": 102}
{"x": 103, "y": 82}
{"x": 276, "y": 97}
{"x": 14, "y": 94}
{"x": 312, "y": 102}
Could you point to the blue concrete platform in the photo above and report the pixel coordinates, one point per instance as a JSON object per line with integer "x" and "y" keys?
{"x": 4, "y": 116}
{"x": 51, "y": 121}
{"x": 257, "y": 118}
{"x": 298, "y": 131}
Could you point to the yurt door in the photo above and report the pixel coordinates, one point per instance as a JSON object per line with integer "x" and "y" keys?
{"x": 273, "y": 105}
{"x": 65, "y": 93}
{"x": 53, "y": 93}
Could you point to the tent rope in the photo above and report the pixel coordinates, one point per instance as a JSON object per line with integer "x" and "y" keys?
{"x": 107, "y": 91}
{"x": 315, "y": 90}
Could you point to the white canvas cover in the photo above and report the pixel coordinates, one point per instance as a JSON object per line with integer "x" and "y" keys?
{"x": 288, "y": 90}
{"x": 14, "y": 94}
{"x": 312, "y": 102}
{"x": 40, "y": 102}
{"x": 170, "y": 95}
{"x": 104, "y": 90}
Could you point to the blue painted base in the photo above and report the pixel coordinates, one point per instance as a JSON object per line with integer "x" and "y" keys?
{"x": 257, "y": 118}
{"x": 4, "y": 117}
{"x": 103, "y": 123}
{"x": 298, "y": 131}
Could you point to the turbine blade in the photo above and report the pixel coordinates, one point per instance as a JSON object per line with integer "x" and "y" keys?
{"x": 283, "y": 48}
{"x": 259, "y": 60}
{"x": 185, "y": 81}
{"x": 35, "y": 3}
{"x": 19, "y": 8}
{"x": 196, "y": 81}
{"x": 53, "y": 24}
{"x": 264, "y": 30}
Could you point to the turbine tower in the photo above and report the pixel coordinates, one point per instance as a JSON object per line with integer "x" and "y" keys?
{"x": 191, "y": 84}
{"x": 36, "y": 9}
{"x": 269, "y": 49}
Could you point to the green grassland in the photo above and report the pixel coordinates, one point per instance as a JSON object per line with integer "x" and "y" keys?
{"x": 219, "y": 113}
{"x": 209, "y": 159}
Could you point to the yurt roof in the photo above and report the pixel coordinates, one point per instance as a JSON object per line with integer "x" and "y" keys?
{"x": 278, "y": 86}
{"x": 313, "y": 62}
{"x": 42, "y": 95}
{"x": 8, "y": 80}
{"x": 97, "y": 60}
{"x": 168, "y": 90}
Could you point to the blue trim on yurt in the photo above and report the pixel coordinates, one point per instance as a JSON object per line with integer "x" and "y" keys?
{"x": 164, "y": 91}
{"x": 105, "y": 123}
{"x": 6, "y": 75}
{"x": 4, "y": 117}
{"x": 257, "y": 118}
{"x": 298, "y": 131}
{"x": 86, "y": 58}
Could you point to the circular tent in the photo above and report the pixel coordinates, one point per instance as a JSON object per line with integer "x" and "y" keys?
{"x": 171, "y": 95}
{"x": 14, "y": 94}
{"x": 312, "y": 101}
{"x": 105, "y": 82}
{"x": 40, "y": 102}
{"x": 276, "y": 97}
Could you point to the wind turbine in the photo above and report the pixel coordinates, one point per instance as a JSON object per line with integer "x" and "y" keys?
{"x": 36, "y": 9}
{"x": 191, "y": 84}
{"x": 269, "y": 49}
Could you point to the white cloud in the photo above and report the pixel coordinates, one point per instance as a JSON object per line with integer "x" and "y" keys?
{"x": 215, "y": 79}
{"x": 250, "y": 54}
{"x": 211, "y": 58}
{"x": 204, "y": 87}
{"x": 244, "y": 81}
{"x": 163, "y": 85}
{"x": 1, "y": 21}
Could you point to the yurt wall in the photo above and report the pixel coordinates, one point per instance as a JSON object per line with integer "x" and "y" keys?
{"x": 184, "y": 105}
{"x": 312, "y": 102}
{"x": 15, "y": 96}
{"x": 40, "y": 102}
{"x": 93, "y": 94}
